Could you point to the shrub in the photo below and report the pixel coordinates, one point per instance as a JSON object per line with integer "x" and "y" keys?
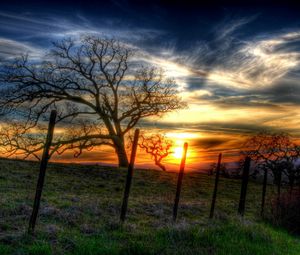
{"x": 285, "y": 211}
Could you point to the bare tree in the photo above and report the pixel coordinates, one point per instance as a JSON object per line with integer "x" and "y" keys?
{"x": 158, "y": 146}
{"x": 274, "y": 152}
{"x": 98, "y": 88}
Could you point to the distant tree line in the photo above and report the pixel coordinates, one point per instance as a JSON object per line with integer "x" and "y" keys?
{"x": 277, "y": 154}
{"x": 273, "y": 152}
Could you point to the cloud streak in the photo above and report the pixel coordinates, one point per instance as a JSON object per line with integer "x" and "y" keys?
{"x": 10, "y": 49}
{"x": 258, "y": 63}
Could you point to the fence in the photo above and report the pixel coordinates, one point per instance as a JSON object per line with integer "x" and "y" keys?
{"x": 124, "y": 206}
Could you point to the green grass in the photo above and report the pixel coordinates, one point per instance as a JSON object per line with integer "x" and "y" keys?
{"x": 80, "y": 210}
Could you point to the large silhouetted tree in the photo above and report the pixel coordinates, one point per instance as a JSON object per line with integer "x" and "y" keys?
{"x": 98, "y": 87}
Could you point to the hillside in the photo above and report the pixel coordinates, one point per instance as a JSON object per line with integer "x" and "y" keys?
{"x": 81, "y": 204}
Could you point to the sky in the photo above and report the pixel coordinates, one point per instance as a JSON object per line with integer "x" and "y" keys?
{"x": 237, "y": 65}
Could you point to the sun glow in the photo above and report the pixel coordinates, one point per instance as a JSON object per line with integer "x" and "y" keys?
{"x": 183, "y": 135}
{"x": 179, "y": 138}
{"x": 177, "y": 153}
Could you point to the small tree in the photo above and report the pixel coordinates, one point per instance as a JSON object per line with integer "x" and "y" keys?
{"x": 158, "y": 146}
{"x": 97, "y": 88}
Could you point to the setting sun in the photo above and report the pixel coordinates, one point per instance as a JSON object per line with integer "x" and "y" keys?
{"x": 178, "y": 152}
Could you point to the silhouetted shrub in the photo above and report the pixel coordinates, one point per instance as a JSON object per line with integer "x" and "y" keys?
{"x": 224, "y": 171}
{"x": 285, "y": 211}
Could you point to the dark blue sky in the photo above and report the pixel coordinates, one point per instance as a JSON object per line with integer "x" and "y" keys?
{"x": 183, "y": 22}
{"x": 236, "y": 61}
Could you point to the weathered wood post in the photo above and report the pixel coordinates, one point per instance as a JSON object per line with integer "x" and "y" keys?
{"x": 179, "y": 181}
{"x": 213, "y": 202}
{"x": 129, "y": 176}
{"x": 245, "y": 180}
{"x": 264, "y": 190}
{"x": 41, "y": 179}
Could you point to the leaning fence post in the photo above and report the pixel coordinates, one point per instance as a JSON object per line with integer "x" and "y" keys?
{"x": 245, "y": 180}
{"x": 41, "y": 179}
{"x": 264, "y": 189}
{"x": 179, "y": 181}
{"x": 213, "y": 202}
{"x": 129, "y": 176}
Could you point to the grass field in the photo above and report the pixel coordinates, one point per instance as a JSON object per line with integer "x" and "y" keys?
{"x": 81, "y": 204}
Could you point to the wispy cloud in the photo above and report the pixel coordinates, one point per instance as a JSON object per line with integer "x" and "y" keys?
{"x": 11, "y": 49}
{"x": 225, "y": 76}
{"x": 229, "y": 26}
{"x": 52, "y": 27}
{"x": 258, "y": 63}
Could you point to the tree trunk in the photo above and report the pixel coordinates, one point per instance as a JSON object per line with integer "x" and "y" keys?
{"x": 160, "y": 165}
{"x": 291, "y": 183}
{"x": 279, "y": 184}
{"x": 121, "y": 152}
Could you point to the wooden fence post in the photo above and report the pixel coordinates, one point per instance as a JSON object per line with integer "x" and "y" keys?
{"x": 129, "y": 176}
{"x": 213, "y": 202}
{"x": 179, "y": 181}
{"x": 41, "y": 179}
{"x": 245, "y": 180}
{"x": 264, "y": 189}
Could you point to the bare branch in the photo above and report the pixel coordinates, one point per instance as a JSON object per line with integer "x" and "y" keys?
{"x": 158, "y": 146}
